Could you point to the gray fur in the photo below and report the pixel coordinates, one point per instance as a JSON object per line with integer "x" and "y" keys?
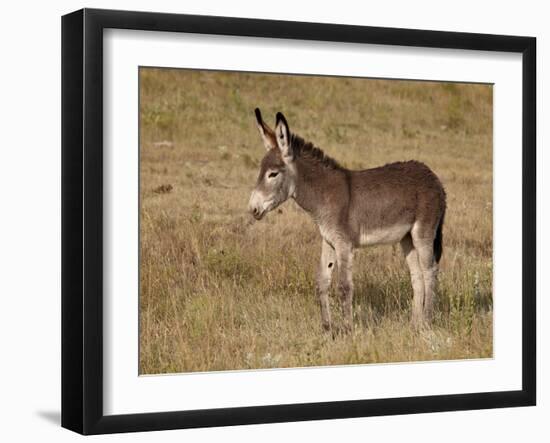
{"x": 400, "y": 202}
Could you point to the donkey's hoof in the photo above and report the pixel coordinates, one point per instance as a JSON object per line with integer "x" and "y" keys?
{"x": 420, "y": 324}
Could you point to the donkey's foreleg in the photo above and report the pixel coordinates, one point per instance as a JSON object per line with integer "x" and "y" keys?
{"x": 324, "y": 277}
{"x": 344, "y": 257}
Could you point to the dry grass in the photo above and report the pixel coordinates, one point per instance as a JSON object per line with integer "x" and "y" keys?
{"x": 220, "y": 292}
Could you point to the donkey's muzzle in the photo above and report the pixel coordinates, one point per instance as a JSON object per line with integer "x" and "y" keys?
{"x": 256, "y": 206}
{"x": 257, "y": 213}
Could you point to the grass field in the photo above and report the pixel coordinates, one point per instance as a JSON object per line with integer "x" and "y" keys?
{"x": 222, "y": 292}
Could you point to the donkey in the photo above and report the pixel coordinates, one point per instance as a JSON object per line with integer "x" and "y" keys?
{"x": 400, "y": 202}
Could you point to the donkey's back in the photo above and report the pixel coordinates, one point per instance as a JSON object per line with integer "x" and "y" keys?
{"x": 388, "y": 202}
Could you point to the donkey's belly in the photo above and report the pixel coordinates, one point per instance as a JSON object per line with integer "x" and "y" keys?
{"x": 381, "y": 236}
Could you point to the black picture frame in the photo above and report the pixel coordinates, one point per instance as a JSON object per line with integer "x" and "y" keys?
{"x": 82, "y": 220}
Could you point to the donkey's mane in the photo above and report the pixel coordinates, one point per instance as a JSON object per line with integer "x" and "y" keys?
{"x": 308, "y": 151}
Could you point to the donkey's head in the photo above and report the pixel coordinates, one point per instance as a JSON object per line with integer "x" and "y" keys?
{"x": 277, "y": 179}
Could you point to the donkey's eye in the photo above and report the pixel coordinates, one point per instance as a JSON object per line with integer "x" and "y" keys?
{"x": 273, "y": 174}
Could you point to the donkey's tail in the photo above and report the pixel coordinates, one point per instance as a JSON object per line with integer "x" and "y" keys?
{"x": 438, "y": 240}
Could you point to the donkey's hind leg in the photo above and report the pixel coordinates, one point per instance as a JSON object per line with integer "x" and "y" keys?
{"x": 417, "y": 279}
{"x": 428, "y": 264}
{"x": 324, "y": 277}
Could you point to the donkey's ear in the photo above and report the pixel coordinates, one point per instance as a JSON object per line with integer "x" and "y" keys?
{"x": 282, "y": 133}
{"x": 267, "y": 134}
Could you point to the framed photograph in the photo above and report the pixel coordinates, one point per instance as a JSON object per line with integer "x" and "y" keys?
{"x": 270, "y": 221}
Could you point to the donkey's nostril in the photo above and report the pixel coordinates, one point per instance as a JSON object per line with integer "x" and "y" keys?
{"x": 256, "y": 213}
